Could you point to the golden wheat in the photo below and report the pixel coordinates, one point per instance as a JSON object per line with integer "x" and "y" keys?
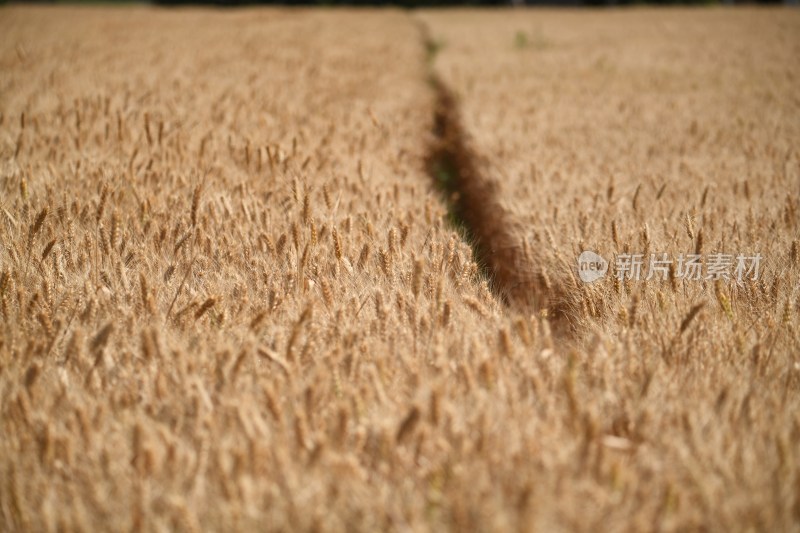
{"x": 231, "y": 297}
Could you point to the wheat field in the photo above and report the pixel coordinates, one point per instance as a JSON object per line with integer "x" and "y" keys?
{"x": 315, "y": 270}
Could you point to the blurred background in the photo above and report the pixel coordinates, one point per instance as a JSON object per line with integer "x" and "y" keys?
{"x": 418, "y": 3}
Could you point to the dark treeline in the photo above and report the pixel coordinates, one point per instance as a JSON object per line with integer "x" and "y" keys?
{"x": 423, "y": 3}
{"x": 445, "y": 3}
{"x": 427, "y": 3}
